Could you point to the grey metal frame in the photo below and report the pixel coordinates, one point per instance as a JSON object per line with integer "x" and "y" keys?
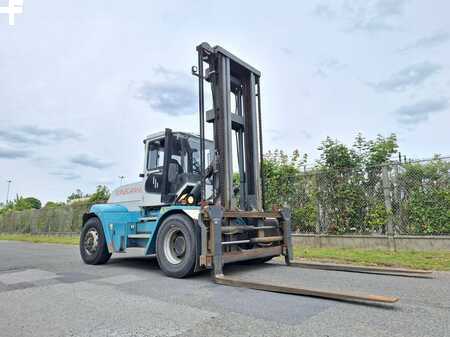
{"x": 228, "y": 75}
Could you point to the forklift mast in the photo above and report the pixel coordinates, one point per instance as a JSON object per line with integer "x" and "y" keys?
{"x": 246, "y": 231}
{"x": 236, "y": 112}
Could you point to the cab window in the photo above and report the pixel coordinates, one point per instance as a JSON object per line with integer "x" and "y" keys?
{"x": 155, "y": 157}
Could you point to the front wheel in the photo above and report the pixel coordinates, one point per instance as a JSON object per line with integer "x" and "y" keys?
{"x": 93, "y": 249}
{"x": 176, "y": 246}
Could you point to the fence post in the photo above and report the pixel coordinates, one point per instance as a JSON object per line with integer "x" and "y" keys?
{"x": 318, "y": 204}
{"x": 387, "y": 203}
{"x": 396, "y": 199}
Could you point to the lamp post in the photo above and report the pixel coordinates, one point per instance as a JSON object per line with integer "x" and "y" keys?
{"x": 7, "y": 190}
{"x": 121, "y": 179}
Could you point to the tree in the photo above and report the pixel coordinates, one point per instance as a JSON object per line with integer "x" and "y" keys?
{"x": 350, "y": 185}
{"x": 381, "y": 149}
{"x": 78, "y": 194}
{"x": 53, "y": 204}
{"x": 33, "y": 202}
{"x": 374, "y": 152}
{"x": 337, "y": 156}
{"x": 102, "y": 194}
{"x": 21, "y": 203}
{"x": 6, "y": 208}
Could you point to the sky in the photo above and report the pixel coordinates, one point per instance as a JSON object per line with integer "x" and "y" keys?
{"x": 83, "y": 82}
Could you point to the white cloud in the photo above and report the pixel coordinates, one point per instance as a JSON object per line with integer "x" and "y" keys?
{"x": 8, "y": 153}
{"x": 369, "y": 16}
{"x": 410, "y": 76}
{"x": 172, "y": 94}
{"x": 88, "y": 160}
{"x": 427, "y": 42}
{"x": 418, "y": 112}
{"x": 35, "y": 135}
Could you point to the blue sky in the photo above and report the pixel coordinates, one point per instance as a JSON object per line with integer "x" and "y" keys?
{"x": 83, "y": 82}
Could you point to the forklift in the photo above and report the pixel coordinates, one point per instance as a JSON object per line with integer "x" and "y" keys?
{"x": 186, "y": 209}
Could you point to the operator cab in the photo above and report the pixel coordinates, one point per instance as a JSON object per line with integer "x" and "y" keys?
{"x": 172, "y": 168}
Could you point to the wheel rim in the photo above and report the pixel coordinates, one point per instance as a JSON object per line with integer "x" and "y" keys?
{"x": 91, "y": 241}
{"x": 174, "y": 246}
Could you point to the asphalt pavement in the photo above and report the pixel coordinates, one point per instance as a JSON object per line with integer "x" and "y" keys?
{"x": 46, "y": 290}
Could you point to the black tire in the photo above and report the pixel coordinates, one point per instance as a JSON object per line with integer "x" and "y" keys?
{"x": 176, "y": 257}
{"x": 101, "y": 254}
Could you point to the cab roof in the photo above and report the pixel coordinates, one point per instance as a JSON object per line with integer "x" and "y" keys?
{"x": 161, "y": 134}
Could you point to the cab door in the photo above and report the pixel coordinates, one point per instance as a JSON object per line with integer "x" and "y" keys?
{"x": 154, "y": 172}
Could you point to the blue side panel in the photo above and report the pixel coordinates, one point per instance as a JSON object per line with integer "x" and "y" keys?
{"x": 118, "y": 223}
{"x": 116, "y": 220}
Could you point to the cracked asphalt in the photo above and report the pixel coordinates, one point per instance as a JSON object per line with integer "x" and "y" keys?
{"x": 45, "y": 290}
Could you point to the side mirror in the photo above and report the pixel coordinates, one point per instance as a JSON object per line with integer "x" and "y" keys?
{"x": 194, "y": 71}
{"x": 173, "y": 173}
{"x": 141, "y": 175}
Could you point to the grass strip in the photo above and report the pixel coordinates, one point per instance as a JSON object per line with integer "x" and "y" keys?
{"x": 428, "y": 260}
{"x": 66, "y": 240}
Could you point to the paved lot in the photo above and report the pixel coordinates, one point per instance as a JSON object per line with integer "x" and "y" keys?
{"x": 45, "y": 290}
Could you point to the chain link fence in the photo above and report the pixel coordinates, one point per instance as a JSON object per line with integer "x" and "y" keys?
{"x": 410, "y": 198}
{"x": 61, "y": 219}
{"x": 398, "y": 198}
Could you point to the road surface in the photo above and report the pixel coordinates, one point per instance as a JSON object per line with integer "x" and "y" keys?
{"x": 45, "y": 290}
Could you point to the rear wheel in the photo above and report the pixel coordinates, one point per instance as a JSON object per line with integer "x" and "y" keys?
{"x": 93, "y": 249}
{"x": 176, "y": 246}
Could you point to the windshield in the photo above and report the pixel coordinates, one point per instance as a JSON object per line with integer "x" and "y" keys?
{"x": 194, "y": 144}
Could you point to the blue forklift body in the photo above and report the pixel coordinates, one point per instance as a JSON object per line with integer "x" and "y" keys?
{"x": 124, "y": 229}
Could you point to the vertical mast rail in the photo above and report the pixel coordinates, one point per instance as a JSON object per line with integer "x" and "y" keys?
{"x": 261, "y": 151}
{"x": 223, "y": 127}
{"x": 201, "y": 110}
{"x": 240, "y": 150}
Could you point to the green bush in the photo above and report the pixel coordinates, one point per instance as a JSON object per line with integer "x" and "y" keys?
{"x": 285, "y": 185}
{"x": 102, "y": 194}
{"x": 352, "y": 200}
{"x": 425, "y": 205}
{"x": 66, "y": 218}
{"x": 21, "y": 204}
